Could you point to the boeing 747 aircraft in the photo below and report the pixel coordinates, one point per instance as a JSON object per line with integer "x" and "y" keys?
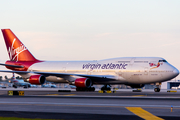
{"x": 132, "y": 71}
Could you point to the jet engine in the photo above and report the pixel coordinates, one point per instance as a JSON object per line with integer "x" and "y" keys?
{"x": 83, "y": 82}
{"x": 37, "y": 79}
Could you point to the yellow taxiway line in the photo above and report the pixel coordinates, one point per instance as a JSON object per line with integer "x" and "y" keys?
{"x": 69, "y": 95}
{"x": 138, "y": 95}
{"x": 60, "y": 95}
{"x": 143, "y": 113}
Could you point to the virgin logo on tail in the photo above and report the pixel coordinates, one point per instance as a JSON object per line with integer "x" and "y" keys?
{"x": 14, "y": 52}
{"x": 15, "y": 48}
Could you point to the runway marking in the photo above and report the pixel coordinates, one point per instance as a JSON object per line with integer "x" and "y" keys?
{"x": 17, "y": 118}
{"x": 138, "y": 95}
{"x": 143, "y": 113}
{"x": 51, "y": 94}
{"x": 69, "y": 95}
{"x": 59, "y": 95}
{"x": 77, "y": 105}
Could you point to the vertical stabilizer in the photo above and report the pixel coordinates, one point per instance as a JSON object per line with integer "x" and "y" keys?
{"x": 16, "y": 49}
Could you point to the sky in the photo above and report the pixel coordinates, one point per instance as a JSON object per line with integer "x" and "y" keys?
{"x": 94, "y": 29}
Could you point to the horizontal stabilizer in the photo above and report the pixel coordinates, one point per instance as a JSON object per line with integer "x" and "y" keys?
{"x": 15, "y": 66}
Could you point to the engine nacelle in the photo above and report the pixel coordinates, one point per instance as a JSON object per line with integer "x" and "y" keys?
{"x": 37, "y": 79}
{"x": 83, "y": 82}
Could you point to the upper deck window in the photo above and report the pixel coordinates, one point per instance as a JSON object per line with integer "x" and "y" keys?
{"x": 140, "y": 61}
{"x": 162, "y": 61}
{"x": 123, "y": 61}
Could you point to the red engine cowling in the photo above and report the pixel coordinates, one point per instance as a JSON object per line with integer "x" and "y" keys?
{"x": 83, "y": 82}
{"x": 37, "y": 79}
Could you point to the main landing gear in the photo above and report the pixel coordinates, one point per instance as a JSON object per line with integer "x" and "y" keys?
{"x": 106, "y": 87}
{"x": 158, "y": 87}
{"x": 85, "y": 89}
{"x": 14, "y": 86}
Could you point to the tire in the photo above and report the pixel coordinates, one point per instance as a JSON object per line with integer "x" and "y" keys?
{"x": 84, "y": 89}
{"x": 93, "y": 89}
{"x": 157, "y": 89}
{"x": 77, "y": 89}
{"x": 109, "y": 89}
{"x": 14, "y": 86}
{"x": 103, "y": 88}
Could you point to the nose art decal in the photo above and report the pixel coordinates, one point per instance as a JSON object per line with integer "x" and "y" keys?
{"x": 154, "y": 65}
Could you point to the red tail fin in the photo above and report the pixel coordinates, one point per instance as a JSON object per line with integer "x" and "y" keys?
{"x": 16, "y": 50}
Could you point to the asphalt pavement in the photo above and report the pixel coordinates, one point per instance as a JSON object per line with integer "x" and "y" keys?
{"x": 74, "y": 105}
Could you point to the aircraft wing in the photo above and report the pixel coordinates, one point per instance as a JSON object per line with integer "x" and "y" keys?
{"x": 81, "y": 75}
{"x": 46, "y": 74}
{"x": 18, "y": 72}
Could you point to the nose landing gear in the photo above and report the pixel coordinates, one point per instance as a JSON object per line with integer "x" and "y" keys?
{"x": 158, "y": 87}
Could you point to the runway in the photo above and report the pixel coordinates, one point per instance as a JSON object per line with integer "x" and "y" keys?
{"x": 91, "y": 105}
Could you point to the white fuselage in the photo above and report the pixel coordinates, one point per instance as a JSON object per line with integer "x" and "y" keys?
{"x": 124, "y": 70}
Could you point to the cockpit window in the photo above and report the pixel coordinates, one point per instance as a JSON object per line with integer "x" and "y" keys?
{"x": 162, "y": 61}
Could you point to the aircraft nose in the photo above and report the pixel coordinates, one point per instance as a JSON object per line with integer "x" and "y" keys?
{"x": 176, "y": 72}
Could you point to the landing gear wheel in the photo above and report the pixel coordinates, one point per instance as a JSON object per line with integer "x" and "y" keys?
{"x": 91, "y": 89}
{"x": 85, "y": 89}
{"x": 14, "y": 86}
{"x": 157, "y": 89}
{"x": 106, "y": 87}
{"x": 80, "y": 89}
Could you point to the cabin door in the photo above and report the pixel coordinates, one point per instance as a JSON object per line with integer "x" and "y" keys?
{"x": 145, "y": 71}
